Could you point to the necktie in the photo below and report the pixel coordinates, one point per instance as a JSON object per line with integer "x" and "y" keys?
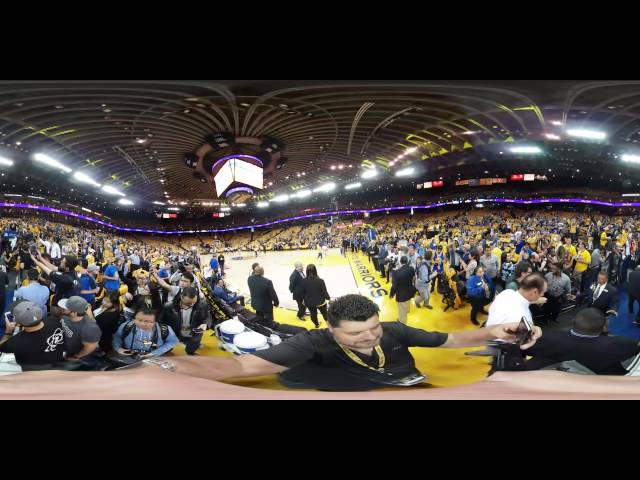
{"x": 597, "y": 293}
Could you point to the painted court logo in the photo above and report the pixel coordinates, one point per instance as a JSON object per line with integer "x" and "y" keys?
{"x": 367, "y": 278}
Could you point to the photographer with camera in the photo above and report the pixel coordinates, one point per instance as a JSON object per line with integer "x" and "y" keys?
{"x": 64, "y": 278}
{"x": 143, "y": 336}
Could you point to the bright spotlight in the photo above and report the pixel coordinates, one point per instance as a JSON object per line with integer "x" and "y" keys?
{"x": 405, "y": 172}
{"x": 51, "y": 162}
{"x": 263, "y": 204}
{"x": 302, "y": 194}
{"x": 353, "y": 186}
{"x": 81, "y": 177}
{"x": 112, "y": 191}
{"x": 589, "y": 134}
{"x": 551, "y": 136}
{"x": 369, "y": 174}
{"x": 6, "y": 161}
{"x": 631, "y": 158}
{"x": 281, "y": 198}
{"x": 125, "y": 201}
{"x": 327, "y": 187}
{"x": 526, "y": 150}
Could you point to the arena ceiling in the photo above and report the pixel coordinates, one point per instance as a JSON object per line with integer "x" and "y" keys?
{"x": 133, "y": 135}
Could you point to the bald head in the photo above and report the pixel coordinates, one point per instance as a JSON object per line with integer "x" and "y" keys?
{"x": 299, "y": 266}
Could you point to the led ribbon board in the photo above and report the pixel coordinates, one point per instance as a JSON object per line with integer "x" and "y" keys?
{"x": 27, "y": 206}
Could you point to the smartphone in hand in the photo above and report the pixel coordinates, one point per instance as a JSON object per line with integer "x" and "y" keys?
{"x": 524, "y": 332}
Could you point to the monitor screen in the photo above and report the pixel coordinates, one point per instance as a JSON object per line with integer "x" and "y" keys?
{"x": 236, "y": 170}
{"x": 247, "y": 173}
{"x": 224, "y": 177}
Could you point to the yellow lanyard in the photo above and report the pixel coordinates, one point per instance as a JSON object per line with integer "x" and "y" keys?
{"x": 358, "y": 360}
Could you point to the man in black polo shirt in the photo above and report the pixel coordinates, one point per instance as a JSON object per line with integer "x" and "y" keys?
{"x": 356, "y": 352}
{"x": 586, "y": 345}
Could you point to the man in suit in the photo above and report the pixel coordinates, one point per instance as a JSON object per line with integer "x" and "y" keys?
{"x": 263, "y": 295}
{"x": 603, "y": 296}
{"x": 403, "y": 288}
{"x": 295, "y": 287}
{"x": 633, "y": 286}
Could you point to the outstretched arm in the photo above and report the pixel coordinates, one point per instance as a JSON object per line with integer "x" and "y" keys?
{"x": 477, "y": 338}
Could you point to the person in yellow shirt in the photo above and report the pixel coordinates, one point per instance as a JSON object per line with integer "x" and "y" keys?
{"x": 498, "y": 253}
{"x": 583, "y": 260}
{"x": 571, "y": 250}
{"x": 603, "y": 239}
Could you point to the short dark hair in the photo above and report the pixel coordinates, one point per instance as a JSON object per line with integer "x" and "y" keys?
{"x": 589, "y": 321}
{"x": 522, "y": 267}
{"x": 33, "y": 274}
{"x": 533, "y": 281}
{"x": 145, "y": 311}
{"x": 189, "y": 276}
{"x": 71, "y": 262}
{"x": 253, "y": 267}
{"x": 428, "y": 255}
{"x": 189, "y": 292}
{"x": 355, "y": 308}
{"x": 604, "y": 273}
{"x": 404, "y": 260}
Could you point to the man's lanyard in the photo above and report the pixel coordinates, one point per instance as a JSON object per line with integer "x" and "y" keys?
{"x": 358, "y": 360}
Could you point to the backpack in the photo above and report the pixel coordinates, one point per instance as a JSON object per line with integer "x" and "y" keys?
{"x": 131, "y": 325}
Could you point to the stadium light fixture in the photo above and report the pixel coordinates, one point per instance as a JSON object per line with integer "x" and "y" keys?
{"x": 302, "y": 194}
{"x": 81, "y": 177}
{"x": 353, "y": 186}
{"x": 6, "y": 161}
{"x": 588, "y": 134}
{"x": 327, "y": 187}
{"x": 112, "y": 191}
{"x": 262, "y": 204}
{"x": 125, "y": 201}
{"x": 51, "y": 162}
{"x": 280, "y": 198}
{"x": 370, "y": 174}
{"x": 631, "y": 158}
{"x": 527, "y": 149}
{"x": 405, "y": 172}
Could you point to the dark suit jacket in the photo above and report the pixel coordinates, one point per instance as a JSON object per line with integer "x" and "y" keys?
{"x": 4, "y": 281}
{"x": 263, "y": 295}
{"x": 608, "y": 299}
{"x": 295, "y": 285}
{"x": 634, "y": 284}
{"x": 314, "y": 292}
{"x": 402, "y": 284}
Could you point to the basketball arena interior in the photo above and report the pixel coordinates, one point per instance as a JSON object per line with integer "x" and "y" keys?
{"x": 303, "y": 239}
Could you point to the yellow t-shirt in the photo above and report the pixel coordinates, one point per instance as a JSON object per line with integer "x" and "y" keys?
{"x": 603, "y": 239}
{"x": 572, "y": 229}
{"x": 581, "y": 267}
{"x": 91, "y": 259}
{"x": 572, "y": 251}
{"x": 498, "y": 253}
